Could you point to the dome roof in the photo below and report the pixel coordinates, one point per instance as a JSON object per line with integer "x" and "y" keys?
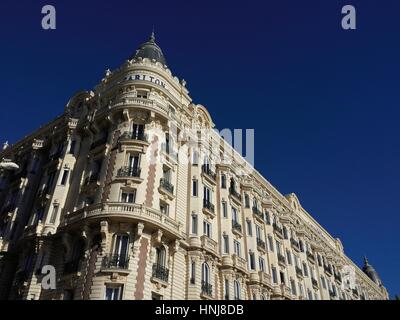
{"x": 370, "y": 272}
{"x": 150, "y": 50}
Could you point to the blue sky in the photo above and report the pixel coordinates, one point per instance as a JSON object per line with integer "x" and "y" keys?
{"x": 324, "y": 102}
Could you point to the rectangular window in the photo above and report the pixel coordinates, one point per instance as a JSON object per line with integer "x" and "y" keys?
{"x": 195, "y": 188}
{"x": 301, "y": 289}
{"x": 207, "y": 229}
{"x": 128, "y": 197}
{"x": 249, "y": 228}
{"x": 293, "y": 286}
{"x": 271, "y": 243}
{"x": 235, "y": 215}
{"x": 258, "y": 232}
{"x": 207, "y": 194}
{"x": 223, "y": 181}
{"x": 252, "y": 263}
{"x": 261, "y": 263}
{"x": 72, "y": 147}
{"x": 224, "y": 210}
{"x": 113, "y": 292}
{"x": 282, "y": 275}
{"x": 278, "y": 247}
{"x": 226, "y": 243}
{"x": 164, "y": 208}
{"x": 289, "y": 257}
{"x": 323, "y": 282}
{"x": 274, "y": 275}
{"x": 54, "y": 214}
{"x": 305, "y": 270}
{"x": 194, "y": 223}
{"x": 226, "y": 289}
{"x": 193, "y": 273}
{"x": 236, "y": 245}
{"x": 296, "y": 260}
{"x": 64, "y": 177}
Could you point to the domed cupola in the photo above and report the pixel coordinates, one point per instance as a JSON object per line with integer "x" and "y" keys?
{"x": 371, "y": 273}
{"x": 150, "y": 50}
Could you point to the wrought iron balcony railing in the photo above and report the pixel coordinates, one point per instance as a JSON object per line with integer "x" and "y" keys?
{"x": 314, "y": 282}
{"x": 281, "y": 258}
{"x": 115, "y": 261}
{"x": 261, "y": 243}
{"x": 295, "y": 244}
{"x": 207, "y": 170}
{"x": 129, "y": 135}
{"x": 299, "y": 272}
{"x": 235, "y": 194}
{"x": 166, "y": 185}
{"x": 160, "y": 272}
{"x": 236, "y": 226}
{"x": 128, "y": 172}
{"x": 206, "y": 288}
{"x": 278, "y": 229}
{"x": 208, "y": 205}
{"x": 258, "y": 213}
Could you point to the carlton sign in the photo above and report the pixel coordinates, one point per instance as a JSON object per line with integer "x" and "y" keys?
{"x": 146, "y": 77}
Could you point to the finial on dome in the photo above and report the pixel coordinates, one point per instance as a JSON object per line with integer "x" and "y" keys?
{"x": 365, "y": 260}
{"x": 152, "y": 37}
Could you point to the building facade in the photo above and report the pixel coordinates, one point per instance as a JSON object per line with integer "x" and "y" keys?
{"x": 103, "y": 194}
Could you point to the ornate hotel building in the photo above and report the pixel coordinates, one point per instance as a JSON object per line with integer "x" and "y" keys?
{"x": 102, "y": 194}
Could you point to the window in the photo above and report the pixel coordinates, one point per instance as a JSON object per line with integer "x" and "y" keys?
{"x": 323, "y": 282}
{"x": 293, "y": 286}
{"x": 113, "y": 292}
{"x": 226, "y": 289}
{"x": 271, "y": 243}
{"x": 133, "y": 163}
{"x": 267, "y": 218}
{"x": 64, "y": 177}
{"x": 301, "y": 289}
{"x": 160, "y": 256}
{"x": 309, "y": 293}
{"x": 261, "y": 263}
{"x": 193, "y": 273}
{"x": 252, "y": 263}
{"x": 195, "y": 192}
{"x": 137, "y": 131}
{"x": 305, "y": 270}
{"x": 301, "y": 245}
{"x": 249, "y": 228}
{"x": 194, "y": 223}
{"x": 128, "y": 197}
{"x": 72, "y": 147}
{"x": 258, "y": 232}
{"x": 236, "y": 246}
{"x": 120, "y": 252}
{"x": 207, "y": 228}
{"x": 296, "y": 260}
{"x": 235, "y": 215}
{"x": 205, "y": 273}
{"x": 319, "y": 260}
{"x": 164, "y": 208}
{"x": 282, "y": 275}
{"x": 195, "y": 158}
{"x": 278, "y": 247}
{"x": 226, "y": 243}
{"x": 224, "y": 210}
{"x": 246, "y": 200}
{"x": 223, "y": 181}
{"x": 285, "y": 233}
{"x": 207, "y": 195}
{"x": 274, "y": 275}
{"x": 54, "y": 214}
{"x": 289, "y": 257}
{"x": 50, "y": 180}
{"x": 236, "y": 286}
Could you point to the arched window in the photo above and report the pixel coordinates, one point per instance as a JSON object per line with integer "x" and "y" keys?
{"x": 236, "y": 287}
{"x": 205, "y": 273}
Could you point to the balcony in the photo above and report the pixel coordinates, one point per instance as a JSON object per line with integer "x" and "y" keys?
{"x": 153, "y": 218}
{"x": 166, "y": 188}
{"x": 332, "y": 294}
{"x": 355, "y": 292}
{"x": 210, "y": 175}
{"x": 338, "y": 277}
{"x": 114, "y": 262}
{"x": 160, "y": 274}
{"x": 137, "y": 141}
{"x": 299, "y": 272}
{"x": 235, "y": 196}
{"x": 261, "y": 245}
{"x": 239, "y": 263}
{"x": 295, "y": 244}
{"x": 258, "y": 214}
{"x": 281, "y": 259}
{"x": 314, "y": 283}
{"x": 278, "y": 230}
{"x": 209, "y": 245}
{"x": 208, "y": 208}
{"x": 236, "y": 228}
{"x": 265, "y": 278}
{"x": 206, "y": 289}
{"x": 129, "y": 174}
{"x": 98, "y": 144}
{"x": 310, "y": 257}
